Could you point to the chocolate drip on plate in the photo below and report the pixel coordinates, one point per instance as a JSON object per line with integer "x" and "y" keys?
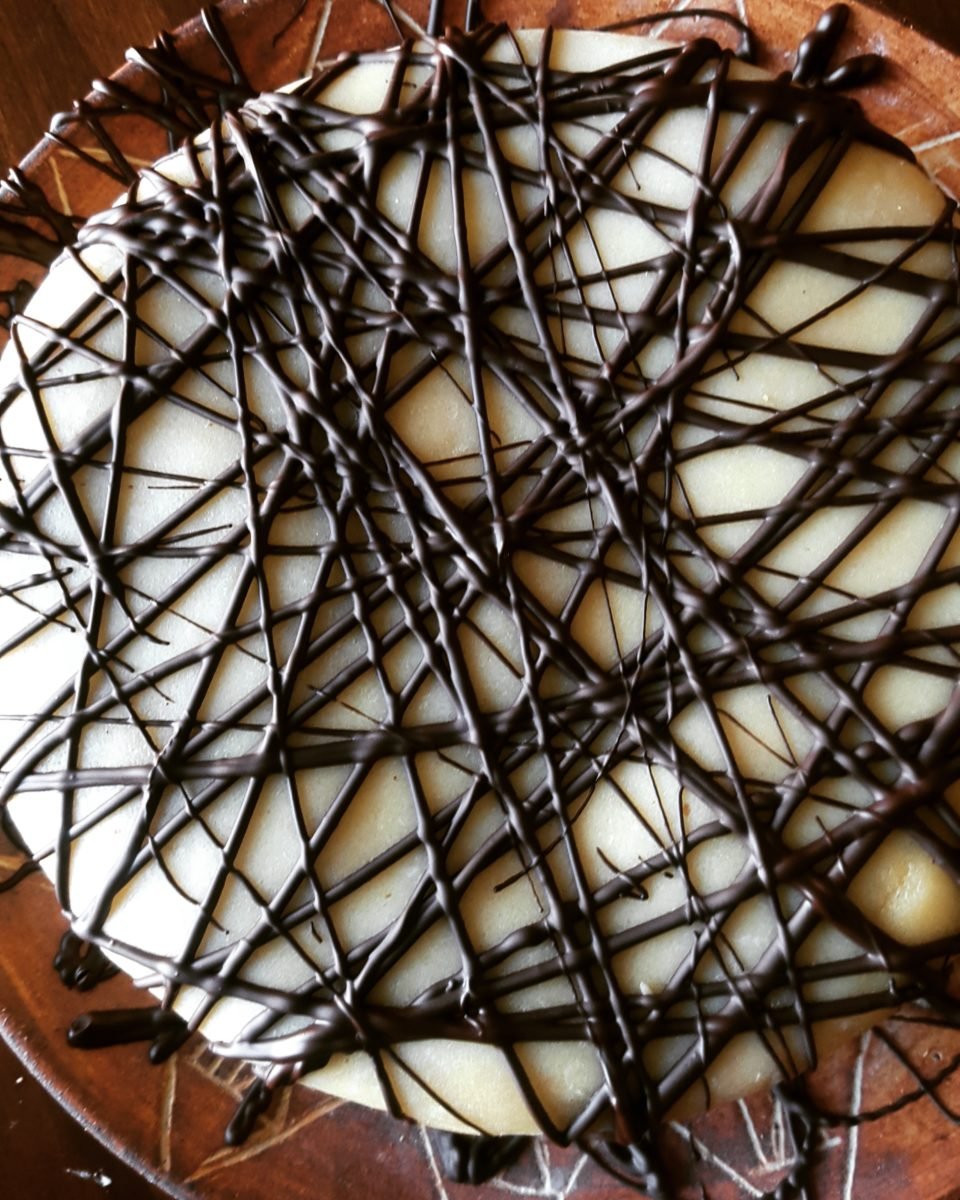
{"x": 81, "y": 965}
{"x": 467, "y": 1159}
{"x": 118, "y": 1027}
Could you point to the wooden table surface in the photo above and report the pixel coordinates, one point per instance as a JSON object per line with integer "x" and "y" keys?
{"x": 50, "y": 50}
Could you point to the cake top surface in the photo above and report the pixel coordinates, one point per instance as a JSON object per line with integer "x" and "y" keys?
{"x": 549, "y": 451}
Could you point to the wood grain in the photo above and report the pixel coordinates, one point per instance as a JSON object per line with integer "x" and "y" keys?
{"x": 172, "y": 1120}
{"x": 51, "y": 50}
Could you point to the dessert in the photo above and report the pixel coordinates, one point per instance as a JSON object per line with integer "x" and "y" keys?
{"x": 494, "y": 556}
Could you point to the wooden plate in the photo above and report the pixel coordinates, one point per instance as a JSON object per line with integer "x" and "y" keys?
{"x": 169, "y": 1121}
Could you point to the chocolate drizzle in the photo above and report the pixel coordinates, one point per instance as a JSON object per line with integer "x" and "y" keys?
{"x": 468, "y": 1159}
{"x": 118, "y": 1027}
{"x": 414, "y": 550}
{"x": 81, "y": 965}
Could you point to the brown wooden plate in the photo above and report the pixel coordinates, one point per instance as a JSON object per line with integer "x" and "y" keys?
{"x": 169, "y": 1121}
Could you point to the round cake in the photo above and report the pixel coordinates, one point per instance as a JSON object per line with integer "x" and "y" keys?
{"x": 479, "y": 603}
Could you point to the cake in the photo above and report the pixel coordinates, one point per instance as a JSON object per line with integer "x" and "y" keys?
{"x": 497, "y": 624}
